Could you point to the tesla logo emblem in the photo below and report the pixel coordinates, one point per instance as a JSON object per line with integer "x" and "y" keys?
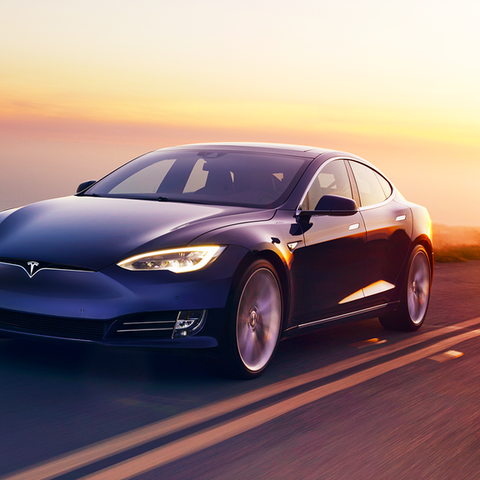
{"x": 32, "y": 266}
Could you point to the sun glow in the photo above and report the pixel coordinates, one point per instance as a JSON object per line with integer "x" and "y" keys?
{"x": 378, "y": 78}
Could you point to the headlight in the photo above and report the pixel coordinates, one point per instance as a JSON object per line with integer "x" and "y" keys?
{"x": 176, "y": 260}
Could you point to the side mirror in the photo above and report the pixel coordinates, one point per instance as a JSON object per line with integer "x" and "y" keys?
{"x": 333, "y": 205}
{"x": 337, "y": 205}
{"x": 84, "y": 185}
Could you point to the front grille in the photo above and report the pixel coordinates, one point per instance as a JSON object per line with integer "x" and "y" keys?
{"x": 53, "y": 326}
{"x": 148, "y": 325}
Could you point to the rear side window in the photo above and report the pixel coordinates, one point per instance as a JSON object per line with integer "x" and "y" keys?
{"x": 372, "y": 187}
{"x": 387, "y": 189}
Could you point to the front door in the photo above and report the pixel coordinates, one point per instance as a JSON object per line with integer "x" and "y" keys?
{"x": 333, "y": 258}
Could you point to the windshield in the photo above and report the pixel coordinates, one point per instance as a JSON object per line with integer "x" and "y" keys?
{"x": 212, "y": 177}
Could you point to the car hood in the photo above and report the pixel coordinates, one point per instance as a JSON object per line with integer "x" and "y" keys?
{"x": 92, "y": 232}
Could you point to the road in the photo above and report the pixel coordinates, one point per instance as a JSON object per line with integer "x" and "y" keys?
{"x": 334, "y": 405}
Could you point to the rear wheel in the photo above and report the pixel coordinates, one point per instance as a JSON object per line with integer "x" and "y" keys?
{"x": 415, "y": 296}
{"x": 255, "y": 321}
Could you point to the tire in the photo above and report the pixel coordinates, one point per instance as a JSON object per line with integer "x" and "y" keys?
{"x": 415, "y": 295}
{"x": 255, "y": 321}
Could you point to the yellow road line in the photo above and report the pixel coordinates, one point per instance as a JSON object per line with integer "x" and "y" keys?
{"x": 212, "y": 436}
{"x": 120, "y": 443}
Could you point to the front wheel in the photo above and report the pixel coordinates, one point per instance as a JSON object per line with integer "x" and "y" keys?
{"x": 415, "y": 296}
{"x": 255, "y": 321}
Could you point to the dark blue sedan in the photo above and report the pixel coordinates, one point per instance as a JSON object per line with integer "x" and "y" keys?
{"x": 228, "y": 247}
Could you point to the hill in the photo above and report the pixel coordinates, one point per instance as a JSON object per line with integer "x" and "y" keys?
{"x": 456, "y": 244}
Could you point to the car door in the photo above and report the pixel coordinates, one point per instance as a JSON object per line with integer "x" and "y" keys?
{"x": 333, "y": 256}
{"x": 388, "y": 224}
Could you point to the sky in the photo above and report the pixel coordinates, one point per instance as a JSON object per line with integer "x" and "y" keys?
{"x": 87, "y": 86}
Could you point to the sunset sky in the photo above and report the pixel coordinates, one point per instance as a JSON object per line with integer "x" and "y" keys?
{"x": 86, "y": 86}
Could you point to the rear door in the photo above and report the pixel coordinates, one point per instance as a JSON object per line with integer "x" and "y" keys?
{"x": 388, "y": 224}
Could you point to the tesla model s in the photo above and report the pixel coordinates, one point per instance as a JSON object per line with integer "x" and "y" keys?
{"x": 226, "y": 247}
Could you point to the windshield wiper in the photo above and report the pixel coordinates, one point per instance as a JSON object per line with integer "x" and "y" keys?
{"x": 163, "y": 199}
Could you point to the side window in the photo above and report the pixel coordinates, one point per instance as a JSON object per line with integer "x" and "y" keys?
{"x": 372, "y": 187}
{"x": 385, "y": 186}
{"x": 331, "y": 180}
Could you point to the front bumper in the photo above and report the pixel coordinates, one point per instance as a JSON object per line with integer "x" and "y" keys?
{"x": 112, "y": 332}
{"x": 96, "y": 306}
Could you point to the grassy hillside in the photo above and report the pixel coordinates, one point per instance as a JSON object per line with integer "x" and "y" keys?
{"x": 456, "y": 244}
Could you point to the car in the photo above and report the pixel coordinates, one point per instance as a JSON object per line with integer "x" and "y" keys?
{"x": 229, "y": 247}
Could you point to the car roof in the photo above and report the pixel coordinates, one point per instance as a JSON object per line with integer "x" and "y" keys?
{"x": 252, "y": 147}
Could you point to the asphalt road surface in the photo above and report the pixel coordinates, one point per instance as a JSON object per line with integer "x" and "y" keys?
{"x": 349, "y": 402}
